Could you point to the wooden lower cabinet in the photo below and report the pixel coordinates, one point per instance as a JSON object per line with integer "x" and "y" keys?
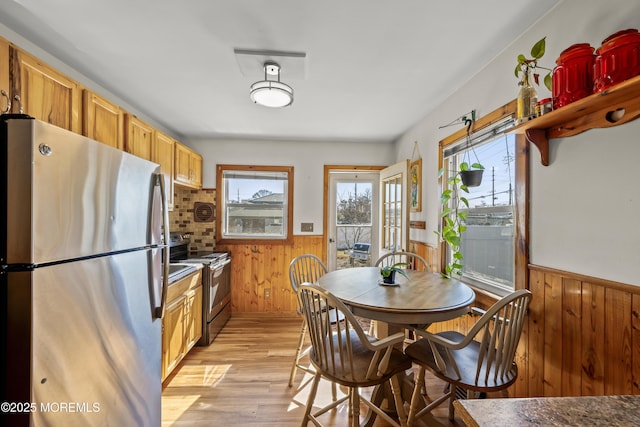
{"x": 173, "y": 345}
{"x": 193, "y": 317}
{"x": 182, "y": 322}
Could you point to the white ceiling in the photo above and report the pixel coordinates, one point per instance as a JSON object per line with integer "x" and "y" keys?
{"x": 372, "y": 69}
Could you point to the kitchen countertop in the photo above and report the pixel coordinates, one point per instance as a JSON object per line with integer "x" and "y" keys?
{"x": 182, "y": 270}
{"x": 551, "y": 411}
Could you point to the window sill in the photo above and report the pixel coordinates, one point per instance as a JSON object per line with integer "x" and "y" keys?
{"x": 255, "y": 241}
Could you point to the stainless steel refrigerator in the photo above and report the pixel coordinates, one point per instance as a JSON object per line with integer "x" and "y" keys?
{"x": 82, "y": 280}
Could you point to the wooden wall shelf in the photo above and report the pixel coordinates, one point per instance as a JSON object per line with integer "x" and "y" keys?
{"x": 612, "y": 107}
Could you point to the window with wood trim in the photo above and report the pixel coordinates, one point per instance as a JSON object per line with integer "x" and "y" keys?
{"x": 254, "y": 203}
{"x": 495, "y": 241}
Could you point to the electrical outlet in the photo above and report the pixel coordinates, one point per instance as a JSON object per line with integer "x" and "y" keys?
{"x": 267, "y": 293}
{"x": 306, "y": 227}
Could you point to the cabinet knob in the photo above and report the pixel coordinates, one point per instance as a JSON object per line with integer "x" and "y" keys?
{"x": 17, "y": 99}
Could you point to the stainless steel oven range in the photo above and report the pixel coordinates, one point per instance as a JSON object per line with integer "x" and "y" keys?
{"x": 216, "y": 282}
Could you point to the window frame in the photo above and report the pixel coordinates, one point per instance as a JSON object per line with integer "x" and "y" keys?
{"x": 521, "y": 196}
{"x": 220, "y": 205}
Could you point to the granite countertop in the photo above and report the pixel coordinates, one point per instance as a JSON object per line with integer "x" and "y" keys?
{"x": 551, "y": 411}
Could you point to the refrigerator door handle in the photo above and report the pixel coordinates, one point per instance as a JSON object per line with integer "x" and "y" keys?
{"x": 159, "y": 311}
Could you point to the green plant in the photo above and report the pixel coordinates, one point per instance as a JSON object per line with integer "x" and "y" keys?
{"x": 388, "y": 269}
{"x": 525, "y": 64}
{"x": 453, "y": 219}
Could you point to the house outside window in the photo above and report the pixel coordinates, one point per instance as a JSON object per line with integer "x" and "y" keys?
{"x": 254, "y": 203}
{"x": 488, "y": 244}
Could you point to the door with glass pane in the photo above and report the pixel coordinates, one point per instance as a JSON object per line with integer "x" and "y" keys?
{"x": 352, "y": 219}
{"x": 394, "y": 218}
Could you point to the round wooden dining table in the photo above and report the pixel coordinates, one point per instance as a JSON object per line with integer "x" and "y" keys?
{"x": 416, "y": 302}
{"x": 422, "y": 299}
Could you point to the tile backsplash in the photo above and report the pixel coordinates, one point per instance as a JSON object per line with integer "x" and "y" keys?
{"x": 182, "y": 219}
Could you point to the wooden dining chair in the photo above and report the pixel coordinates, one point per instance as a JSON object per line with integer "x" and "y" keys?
{"x": 411, "y": 261}
{"x": 483, "y": 360}
{"x": 305, "y": 268}
{"x": 342, "y": 353}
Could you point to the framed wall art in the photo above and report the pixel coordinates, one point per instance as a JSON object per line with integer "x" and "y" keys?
{"x": 415, "y": 183}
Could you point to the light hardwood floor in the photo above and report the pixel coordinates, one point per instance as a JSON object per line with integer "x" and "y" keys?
{"x": 241, "y": 380}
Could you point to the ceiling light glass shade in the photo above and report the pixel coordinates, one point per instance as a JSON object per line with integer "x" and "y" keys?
{"x": 271, "y": 94}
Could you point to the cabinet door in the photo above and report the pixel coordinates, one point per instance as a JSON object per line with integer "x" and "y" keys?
{"x": 196, "y": 170}
{"x": 4, "y": 73}
{"x": 182, "y": 165}
{"x": 173, "y": 342}
{"x": 163, "y": 154}
{"x": 139, "y": 137}
{"x": 45, "y": 93}
{"x": 102, "y": 120}
{"x": 188, "y": 167}
{"x": 194, "y": 317}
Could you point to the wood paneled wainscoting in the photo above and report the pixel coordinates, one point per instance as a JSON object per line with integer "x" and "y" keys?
{"x": 429, "y": 253}
{"x": 582, "y": 337}
{"x": 260, "y": 274}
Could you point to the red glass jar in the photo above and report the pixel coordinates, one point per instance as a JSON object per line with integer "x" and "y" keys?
{"x": 572, "y": 77}
{"x": 617, "y": 60}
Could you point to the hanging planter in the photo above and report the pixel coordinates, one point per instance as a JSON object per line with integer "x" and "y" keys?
{"x": 472, "y": 178}
{"x": 471, "y": 175}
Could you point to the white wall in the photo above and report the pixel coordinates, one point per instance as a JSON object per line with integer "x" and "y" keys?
{"x": 585, "y": 206}
{"x": 307, "y": 158}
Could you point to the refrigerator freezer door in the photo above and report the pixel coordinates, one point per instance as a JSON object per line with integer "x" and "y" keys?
{"x": 70, "y": 197}
{"x": 95, "y": 343}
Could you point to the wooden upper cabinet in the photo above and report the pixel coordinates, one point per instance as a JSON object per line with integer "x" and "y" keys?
{"x": 196, "y": 169}
{"x": 45, "y": 93}
{"x": 102, "y": 120}
{"x": 4, "y": 73}
{"x": 182, "y": 172}
{"x": 163, "y": 154}
{"x": 139, "y": 137}
{"x": 188, "y": 167}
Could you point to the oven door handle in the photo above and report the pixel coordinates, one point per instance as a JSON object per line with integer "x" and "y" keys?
{"x": 223, "y": 263}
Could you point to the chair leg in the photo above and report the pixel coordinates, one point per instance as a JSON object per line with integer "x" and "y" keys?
{"x": 310, "y": 400}
{"x": 354, "y": 402}
{"x": 397, "y": 397}
{"x": 303, "y": 331}
{"x": 451, "y": 400}
{"x": 416, "y": 396}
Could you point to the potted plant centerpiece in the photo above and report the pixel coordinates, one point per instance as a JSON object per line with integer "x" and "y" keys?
{"x": 388, "y": 272}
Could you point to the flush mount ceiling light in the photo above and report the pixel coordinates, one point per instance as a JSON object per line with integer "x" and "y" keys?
{"x": 271, "y": 93}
